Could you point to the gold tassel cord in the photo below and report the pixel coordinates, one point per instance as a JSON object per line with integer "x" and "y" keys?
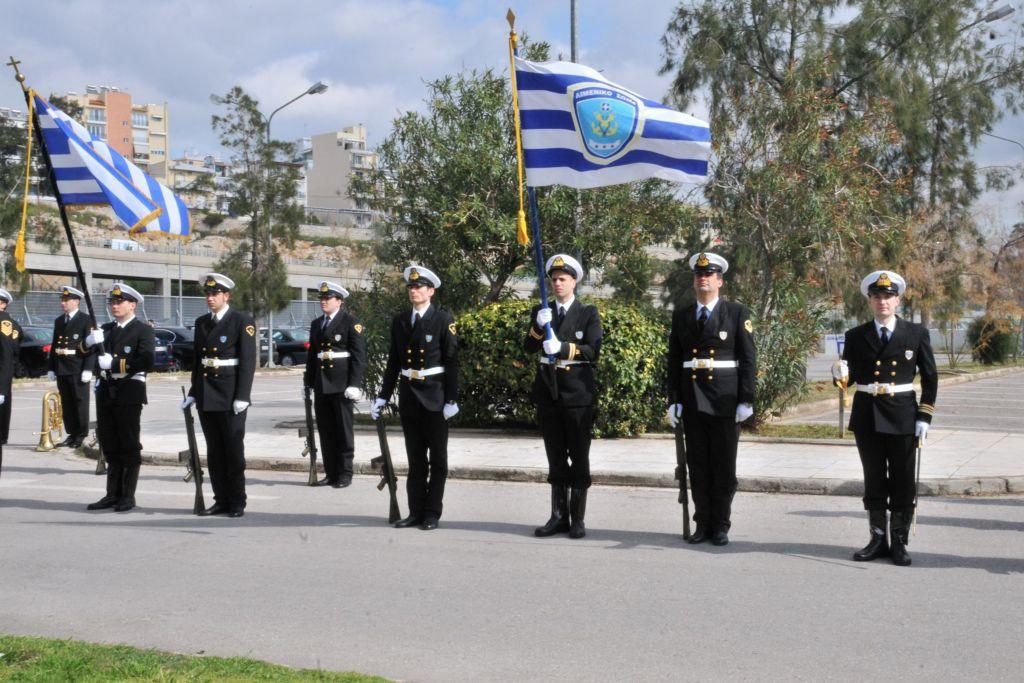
{"x": 522, "y": 234}
{"x": 19, "y": 247}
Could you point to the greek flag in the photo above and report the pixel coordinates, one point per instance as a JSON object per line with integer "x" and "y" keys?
{"x": 88, "y": 171}
{"x": 580, "y": 129}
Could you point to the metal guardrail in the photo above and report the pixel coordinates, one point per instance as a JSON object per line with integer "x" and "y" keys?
{"x": 41, "y": 308}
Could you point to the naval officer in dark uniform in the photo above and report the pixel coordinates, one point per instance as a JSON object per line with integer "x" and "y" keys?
{"x": 563, "y": 391}
{"x": 334, "y": 372}
{"x": 423, "y": 362}
{"x": 11, "y": 341}
{"x": 712, "y": 371}
{"x": 225, "y": 343}
{"x": 880, "y": 359}
{"x": 125, "y": 349}
{"x": 71, "y": 366}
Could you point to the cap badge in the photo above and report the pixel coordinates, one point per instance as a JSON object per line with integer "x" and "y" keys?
{"x": 883, "y": 280}
{"x": 414, "y": 274}
{"x": 210, "y": 282}
{"x": 703, "y": 261}
{"x": 324, "y": 288}
{"x": 558, "y": 262}
{"x": 116, "y": 291}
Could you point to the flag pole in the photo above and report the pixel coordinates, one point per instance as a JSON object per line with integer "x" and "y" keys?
{"x": 20, "y": 77}
{"x": 538, "y": 249}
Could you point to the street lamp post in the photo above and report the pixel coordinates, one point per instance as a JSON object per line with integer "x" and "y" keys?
{"x": 315, "y": 89}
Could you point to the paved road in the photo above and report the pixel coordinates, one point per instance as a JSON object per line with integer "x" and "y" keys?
{"x": 993, "y": 405}
{"x": 313, "y": 577}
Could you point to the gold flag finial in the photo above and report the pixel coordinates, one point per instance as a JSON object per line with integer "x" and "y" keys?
{"x": 18, "y": 76}
{"x": 511, "y": 16}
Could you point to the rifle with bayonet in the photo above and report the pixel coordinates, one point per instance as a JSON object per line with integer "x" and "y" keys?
{"x": 194, "y": 469}
{"x": 386, "y": 467}
{"x": 681, "y": 475}
{"x": 310, "y": 450}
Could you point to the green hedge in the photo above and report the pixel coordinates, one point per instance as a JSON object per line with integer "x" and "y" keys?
{"x": 992, "y": 341}
{"x": 496, "y": 374}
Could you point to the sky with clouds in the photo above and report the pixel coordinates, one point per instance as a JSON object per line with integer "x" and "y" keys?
{"x": 374, "y": 55}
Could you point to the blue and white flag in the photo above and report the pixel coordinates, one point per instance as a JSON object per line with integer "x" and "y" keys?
{"x": 581, "y": 130}
{"x": 88, "y": 171}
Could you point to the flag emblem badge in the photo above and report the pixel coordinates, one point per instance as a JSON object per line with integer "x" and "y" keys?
{"x": 607, "y": 118}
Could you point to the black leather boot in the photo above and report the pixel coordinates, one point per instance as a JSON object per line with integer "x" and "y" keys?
{"x": 901, "y": 537}
{"x": 114, "y": 474}
{"x": 130, "y": 481}
{"x": 559, "y": 521}
{"x": 878, "y": 546}
{"x": 577, "y": 510}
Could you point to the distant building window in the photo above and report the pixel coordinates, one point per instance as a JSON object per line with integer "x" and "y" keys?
{"x": 140, "y": 136}
{"x": 97, "y": 131}
{"x": 158, "y": 152}
{"x": 97, "y": 115}
{"x": 140, "y": 119}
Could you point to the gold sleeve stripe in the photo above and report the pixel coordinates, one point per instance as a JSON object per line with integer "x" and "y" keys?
{"x": 124, "y": 365}
{"x": 572, "y": 351}
{"x": 926, "y": 408}
{"x": 534, "y": 334}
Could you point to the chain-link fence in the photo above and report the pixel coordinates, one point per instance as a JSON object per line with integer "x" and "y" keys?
{"x": 40, "y": 308}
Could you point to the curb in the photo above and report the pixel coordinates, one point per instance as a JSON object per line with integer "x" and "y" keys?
{"x": 833, "y": 403}
{"x": 972, "y": 486}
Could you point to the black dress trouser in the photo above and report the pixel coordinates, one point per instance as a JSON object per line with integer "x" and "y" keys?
{"x": 425, "y": 431}
{"x": 74, "y": 404}
{"x": 567, "y": 433}
{"x": 334, "y": 425}
{"x": 225, "y": 452}
{"x": 888, "y": 461}
{"x": 711, "y": 444}
{"x": 117, "y": 425}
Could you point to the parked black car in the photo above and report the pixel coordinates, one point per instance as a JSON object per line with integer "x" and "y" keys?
{"x": 34, "y": 350}
{"x": 291, "y": 345}
{"x": 180, "y": 348}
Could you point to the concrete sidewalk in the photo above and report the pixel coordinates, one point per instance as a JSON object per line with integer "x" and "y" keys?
{"x": 954, "y": 462}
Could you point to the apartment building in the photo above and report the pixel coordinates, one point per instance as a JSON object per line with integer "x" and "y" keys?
{"x": 139, "y": 132}
{"x": 329, "y": 161}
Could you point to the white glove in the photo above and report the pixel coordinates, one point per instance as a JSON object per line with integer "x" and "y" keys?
{"x": 450, "y": 410}
{"x": 86, "y": 376}
{"x": 188, "y": 400}
{"x": 51, "y": 376}
{"x": 93, "y": 338}
{"x": 675, "y": 411}
{"x": 552, "y": 347}
{"x": 840, "y": 370}
{"x": 3, "y": 399}
{"x": 375, "y": 408}
{"x": 543, "y": 316}
{"x": 105, "y": 361}
{"x": 353, "y": 393}
{"x": 743, "y": 411}
{"x": 921, "y": 429}
{"x": 239, "y": 406}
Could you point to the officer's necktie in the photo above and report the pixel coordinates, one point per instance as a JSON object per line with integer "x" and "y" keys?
{"x": 327, "y": 321}
{"x": 415, "y": 320}
{"x": 67, "y": 318}
{"x": 703, "y": 318}
{"x": 561, "y": 317}
{"x": 884, "y": 334}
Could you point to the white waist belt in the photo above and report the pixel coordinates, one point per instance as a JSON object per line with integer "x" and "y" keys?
{"x": 559, "y": 363}
{"x": 65, "y": 352}
{"x": 328, "y": 355}
{"x": 708, "y": 364}
{"x": 219, "y": 362}
{"x": 421, "y": 374}
{"x": 876, "y": 389}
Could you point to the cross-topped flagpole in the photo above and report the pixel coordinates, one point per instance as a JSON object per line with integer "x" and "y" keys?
{"x": 20, "y": 77}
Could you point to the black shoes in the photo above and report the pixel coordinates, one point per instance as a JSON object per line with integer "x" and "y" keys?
{"x": 577, "y": 510}
{"x": 128, "y": 484}
{"x": 429, "y": 524}
{"x": 411, "y": 520}
{"x": 335, "y": 484}
{"x": 558, "y": 523}
{"x": 114, "y": 482}
{"x": 215, "y": 509}
{"x": 700, "y": 535}
{"x": 720, "y": 537}
{"x": 323, "y": 482}
{"x": 104, "y": 503}
{"x": 878, "y": 546}
{"x": 236, "y": 512}
{"x": 901, "y": 537}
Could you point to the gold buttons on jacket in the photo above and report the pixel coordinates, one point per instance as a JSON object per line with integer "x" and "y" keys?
{"x": 894, "y": 362}
{"x": 878, "y": 362}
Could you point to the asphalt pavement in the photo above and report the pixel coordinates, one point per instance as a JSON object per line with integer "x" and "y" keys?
{"x": 315, "y": 578}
